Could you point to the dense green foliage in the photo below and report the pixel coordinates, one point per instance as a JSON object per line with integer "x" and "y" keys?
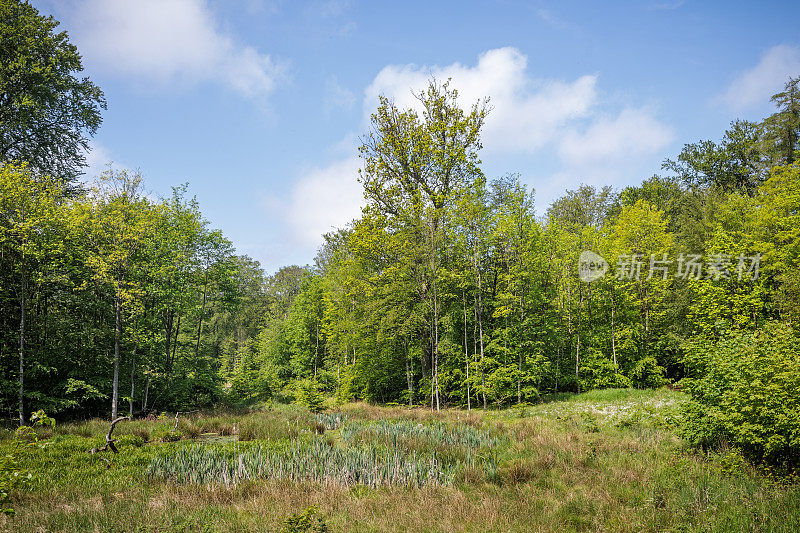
{"x": 110, "y": 298}
{"x": 449, "y": 290}
{"x": 746, "y": 393}
{"x": 46, "y": 110}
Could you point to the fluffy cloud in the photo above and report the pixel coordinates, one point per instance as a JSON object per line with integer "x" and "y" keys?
{"x": 530, "y": 119}
{"x": 526, "y": 112}
{"x": 755, "y": 86}
{"x": 633, "y": 132}
{"x": 324, "y": 199}
{"x": 168, "y": 41}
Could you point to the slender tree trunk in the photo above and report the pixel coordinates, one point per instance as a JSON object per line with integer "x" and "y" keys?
{"x": 133, "y": 376}
{"x": 146, "y": 394}
{"x": 168, "y": 337}
{"x": 117, "y": 335}
{"x": 521, "y": 344}
{"x": 409, "y": 374}
{"x": 200, "y": 324}
{"x": 23, "y": 310}
{"x": 578, "y": 344}
{"x": 316, "y": 348}
{"x": 175, "y": 342}
{"x": 435, "y": 312}
{"x": 480, "y": 344}
{"x": 466, "y": 348}
{"x": 613, "y": 331}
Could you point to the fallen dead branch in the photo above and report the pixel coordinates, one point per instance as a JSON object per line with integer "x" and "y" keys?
{"x": 109, "y": 445}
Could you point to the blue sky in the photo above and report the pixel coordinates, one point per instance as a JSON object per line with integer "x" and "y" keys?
{"x": 259, "y": 104}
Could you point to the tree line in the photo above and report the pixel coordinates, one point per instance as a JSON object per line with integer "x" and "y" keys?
{"x": 451, "y": 290}
{"x": 448, "y": 290}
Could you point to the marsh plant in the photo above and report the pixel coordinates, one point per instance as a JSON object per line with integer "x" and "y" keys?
{"x": 330, "y": 421}
{"x": 315, "y": 461}
{"x": 437, "y": 433}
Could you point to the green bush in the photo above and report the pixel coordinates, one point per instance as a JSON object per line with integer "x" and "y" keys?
{"x": 40, "y": 418}
{"x": 647, "y": 374}
{"x": 166, "y": 435}
{"x": 598, "y": 372}
{"x": 310, "y": 395}
{"x": 25, "y": 434}
{"x": 745, "y": 392}
{"x": 308, "y": 519}
{"x": 12, "y": 479}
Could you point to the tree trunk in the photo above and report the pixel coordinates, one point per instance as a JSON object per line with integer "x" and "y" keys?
{"x": 578, "y": 343}
{"x": 146, "y": 394}
{"x": 200, "y": 324}
{"x": 117, "y": 335}
{"x": 434, "y": 229}
{"x": 409, "y": 374}
{"x": 22, "y": 308}
{"x": 466, "y": 349}
{"x": 133, "y": 376}
{"x": 316, "y": 349}
{"x": 613, "y": 331}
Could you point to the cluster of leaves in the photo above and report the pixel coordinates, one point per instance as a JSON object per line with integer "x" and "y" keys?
{"x": 745, "y": 392}
{"x": 12, "y": 479}
{"x": 307, "y": 520}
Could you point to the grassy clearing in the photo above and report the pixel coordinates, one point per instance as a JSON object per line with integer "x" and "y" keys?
{"x": 605, "y": 460}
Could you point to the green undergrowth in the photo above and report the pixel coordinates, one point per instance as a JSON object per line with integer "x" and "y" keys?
{"x": 604, "y": 460}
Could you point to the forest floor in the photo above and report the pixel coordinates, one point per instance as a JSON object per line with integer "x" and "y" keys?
{"x": 605, "y": 460}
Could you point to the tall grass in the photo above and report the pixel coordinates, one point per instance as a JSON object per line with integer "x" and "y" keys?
{"x": 437, "y": 433}
{"x": 316, "y": 461}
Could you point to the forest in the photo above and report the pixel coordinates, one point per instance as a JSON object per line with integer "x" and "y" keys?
{"x": 449, "y": 292}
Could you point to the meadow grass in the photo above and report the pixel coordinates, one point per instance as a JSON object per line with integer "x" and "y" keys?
{"x": 605, "y": 460}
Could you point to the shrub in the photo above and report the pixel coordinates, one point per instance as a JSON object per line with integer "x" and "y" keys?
{"x": 25, "y": 434}
{"x": 40, "y": 418}
{"x": 647, "y": 374}
{"x": 167, "y": 435}
{"x": 745, "y": 391}
{"x": 309, "y": 395}
{"x": 598, "y": 372}
{"x": 307, "y": 520}
{"x": 11, "y": 479}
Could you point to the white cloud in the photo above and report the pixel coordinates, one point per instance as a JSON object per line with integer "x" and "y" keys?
{"x": 529, "y": 114}
{"x": 324, "y": 199}
{"x": 526, "y": 112}
{"x": 631, "y": 133}
{"x": 757, "y": 85}
{"x": 531, "y": 120}
{"x": 98, "y": 157}
{"x": 168, "y": 41}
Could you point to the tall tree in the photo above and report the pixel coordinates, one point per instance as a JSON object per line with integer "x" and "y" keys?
{"x": 412, "y": 167}
{"x": 46, "y": 110}
{"x": 28, "y": 219}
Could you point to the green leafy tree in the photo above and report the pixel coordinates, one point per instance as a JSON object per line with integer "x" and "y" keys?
{"x": 29, "y": 229}
{"x": 46, "y": 110}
